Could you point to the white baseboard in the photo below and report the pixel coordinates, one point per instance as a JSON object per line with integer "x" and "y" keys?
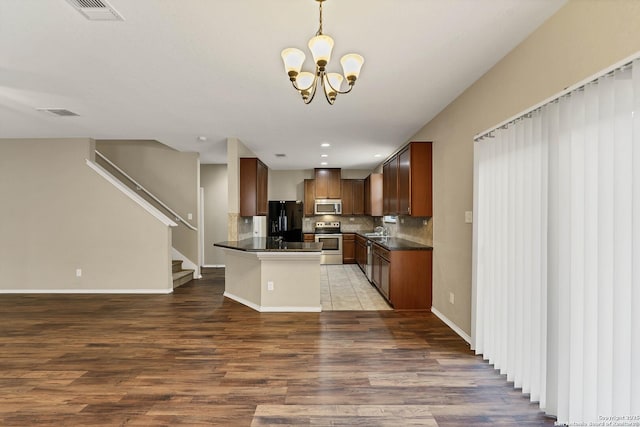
{"x": 262, "y": 309}
{"x": 86, "y": 291}
{"x": 214, "y": 266}
{"x": 452, "y": 325}
{"x": 290, "y": 309}
{"x": 242, "y": 301}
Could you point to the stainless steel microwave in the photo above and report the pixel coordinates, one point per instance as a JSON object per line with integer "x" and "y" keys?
{"x": 328, "y": 207}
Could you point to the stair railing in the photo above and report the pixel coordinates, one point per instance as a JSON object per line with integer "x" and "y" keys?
{"x": 139, "y": 187}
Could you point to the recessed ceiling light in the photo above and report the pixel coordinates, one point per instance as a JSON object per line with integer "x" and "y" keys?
{"x": 202, "y": 138}
{"x": 324, "y": 155}
{"x": 324, "y": 163}
{"x": 325, "y": 144}
{"x": 377, "y": 155}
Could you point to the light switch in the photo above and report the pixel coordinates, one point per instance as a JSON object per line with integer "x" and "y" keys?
{"x": 468, "y": 217}
{"x": 189, "y": 216}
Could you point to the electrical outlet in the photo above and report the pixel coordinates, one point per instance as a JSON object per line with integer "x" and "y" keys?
{"x": 468, "y": 217}
{"x": 246, "y": 220}
{"x": 452, "y": 298}
{"x": 269, "y": 285}
{"x": 352, "y": 219}
{"x": 189, "y": 216}
{"x": 425, "y": 222}
{"x": 78, "y": 272}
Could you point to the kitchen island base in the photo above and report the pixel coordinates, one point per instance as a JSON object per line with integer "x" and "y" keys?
{"x": 273, "y": 281}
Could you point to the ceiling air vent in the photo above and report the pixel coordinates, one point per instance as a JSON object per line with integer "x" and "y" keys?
{"x": 281, "y": 155}
{"x": 62, "y": 112}
{"x": 96, "y": 10}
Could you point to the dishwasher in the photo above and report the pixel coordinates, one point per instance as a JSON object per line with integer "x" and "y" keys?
{"x": 368, "y": 270}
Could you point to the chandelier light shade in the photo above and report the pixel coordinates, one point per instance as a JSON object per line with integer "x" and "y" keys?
{"x": 306, "y": 83}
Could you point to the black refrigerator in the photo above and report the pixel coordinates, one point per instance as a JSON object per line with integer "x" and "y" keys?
{"x": 285, "y": 220}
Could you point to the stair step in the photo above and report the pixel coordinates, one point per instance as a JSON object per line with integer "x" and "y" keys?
{"x": 176, "y": 265}
{"x": 181, "y": 277}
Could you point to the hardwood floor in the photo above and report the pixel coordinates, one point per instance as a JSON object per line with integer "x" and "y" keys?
{"x": 196, "y": 358}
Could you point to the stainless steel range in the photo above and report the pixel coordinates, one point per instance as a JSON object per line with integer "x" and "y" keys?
{"x": 328, "y": 233}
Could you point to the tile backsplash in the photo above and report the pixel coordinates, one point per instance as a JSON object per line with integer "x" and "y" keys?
{"x": 348, "y": 224}
{"x": 415, "y": 229}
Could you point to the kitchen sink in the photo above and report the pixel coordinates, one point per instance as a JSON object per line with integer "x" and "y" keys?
{"x": 378, "y": 237}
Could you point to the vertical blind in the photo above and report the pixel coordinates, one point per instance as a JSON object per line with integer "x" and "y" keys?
{"x": 557, "y": 251}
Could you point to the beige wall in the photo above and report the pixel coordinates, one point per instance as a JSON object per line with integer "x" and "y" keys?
{"x": 213, "y": 179}
{"x": 171, "y": 175}
{"x": 583, "y": 37}
{"x": 59, "y": 215}
{"x": 288, "y": 184}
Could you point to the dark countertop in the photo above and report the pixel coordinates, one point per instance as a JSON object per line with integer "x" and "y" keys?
{"x": 265, "y": 244}
{"x": 397, "y": 244}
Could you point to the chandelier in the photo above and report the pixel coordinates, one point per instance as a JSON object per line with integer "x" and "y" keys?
{"x": 306, "y": 83}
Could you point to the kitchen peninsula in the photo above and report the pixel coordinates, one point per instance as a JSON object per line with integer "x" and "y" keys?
{"x": 270, "y": 275}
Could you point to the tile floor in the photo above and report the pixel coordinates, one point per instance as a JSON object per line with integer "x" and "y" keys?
{"x": 345, "y": 287}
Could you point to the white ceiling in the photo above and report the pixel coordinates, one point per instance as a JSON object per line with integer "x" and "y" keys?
{"x": 175, "y": 70}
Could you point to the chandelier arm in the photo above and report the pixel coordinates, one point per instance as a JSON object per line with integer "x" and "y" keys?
{"x": 326, "y": 95}
{"x": 338, "y": 91}
{"x": 313, "y": 87}
{"x": 313, "y": 93}
{"x": 313, "y": 83}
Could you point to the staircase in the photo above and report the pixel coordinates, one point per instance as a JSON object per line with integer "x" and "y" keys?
{"x": 180, "y": 276}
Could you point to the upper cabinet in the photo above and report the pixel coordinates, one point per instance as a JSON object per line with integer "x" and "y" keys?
{"x": 390, "y": 186}
{"x": 309, "y": 197}
{"x": 328, "y": 183}
{"x": 253, "y": 187}
{"x": 407, "y": 181}
{"x": 373, "y": 195}
{"x": 352, "y": 197}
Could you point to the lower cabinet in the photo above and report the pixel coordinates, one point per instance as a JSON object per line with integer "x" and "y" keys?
{"x": 348, "y": 248}
{"x": 381, "y": 271}
{"x": 309, "y": 237}
{"x": 403, "y": 277}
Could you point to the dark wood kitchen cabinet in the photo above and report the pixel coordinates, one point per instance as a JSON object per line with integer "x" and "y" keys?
{"x": 381, "y": 270}
{"x": 361, "y": 252}
{"x": 328, "y": 183}
{"x": 352, "y": 197}
{"x": 309, "y": 237}
{"x": 390, "y": 186}
{"x": 348, "y": 248}
{"x": 254, "y": 176}
{"x": 309, "y": 197}
{"x": 407, "y": 180}
{"x": 403, "y": 277}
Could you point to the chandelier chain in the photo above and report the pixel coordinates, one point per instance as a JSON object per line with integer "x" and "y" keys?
{"x": 319, "y": 33}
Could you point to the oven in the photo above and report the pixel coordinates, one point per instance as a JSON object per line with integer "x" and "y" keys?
{"x": 328, "y": 233}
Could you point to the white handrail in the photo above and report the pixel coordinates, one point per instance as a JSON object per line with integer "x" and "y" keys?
{"x": 147, "y": 192}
